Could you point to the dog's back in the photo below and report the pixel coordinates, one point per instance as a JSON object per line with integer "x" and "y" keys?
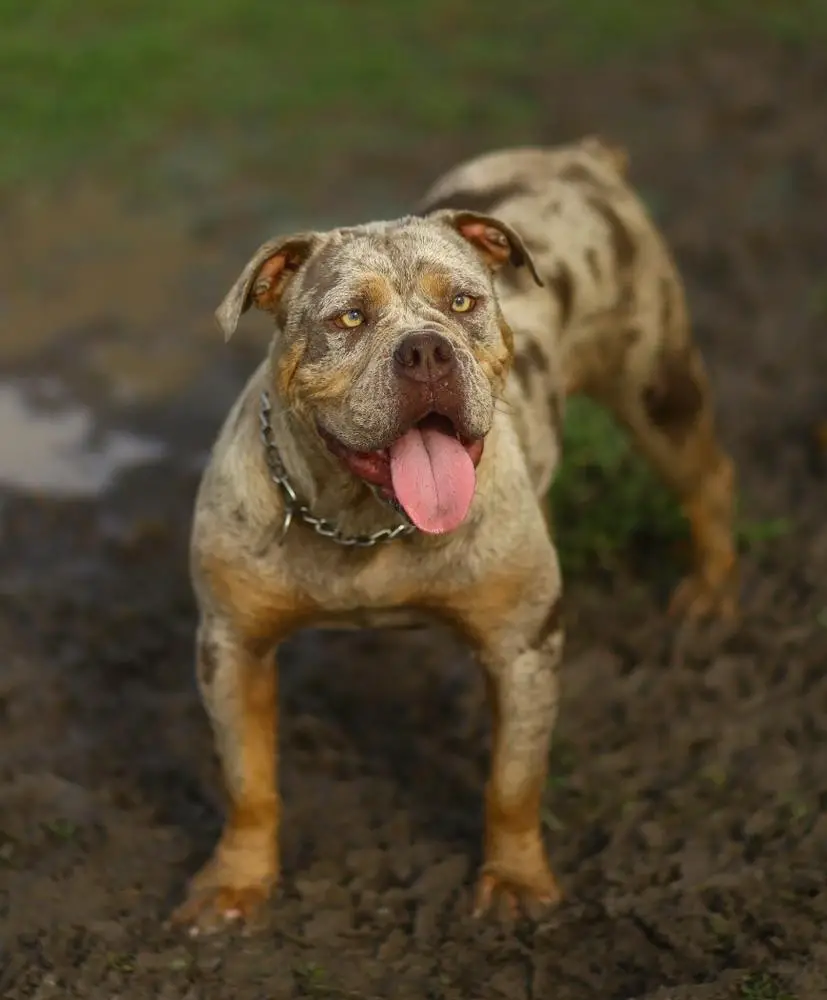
{"x": 608, "y": 276}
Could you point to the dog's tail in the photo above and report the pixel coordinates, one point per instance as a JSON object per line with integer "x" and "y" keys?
{"x": 610, "y": 153}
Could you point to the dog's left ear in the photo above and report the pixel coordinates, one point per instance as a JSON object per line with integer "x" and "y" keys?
{"x": 498, "y": 243}
{"x": 264, "y": 278}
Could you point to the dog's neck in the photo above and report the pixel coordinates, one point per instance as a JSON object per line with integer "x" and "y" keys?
{"x": 321, "y": 482}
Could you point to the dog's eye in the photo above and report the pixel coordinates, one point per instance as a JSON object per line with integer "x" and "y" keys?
{"x": 462, "y": 303}
{"x": 351, "y": 319}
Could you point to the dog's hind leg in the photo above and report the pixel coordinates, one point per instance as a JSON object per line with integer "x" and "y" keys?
{"x": 652, "y": 378}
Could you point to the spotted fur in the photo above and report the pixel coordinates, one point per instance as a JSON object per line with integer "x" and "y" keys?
{"x": 576, "y": 292}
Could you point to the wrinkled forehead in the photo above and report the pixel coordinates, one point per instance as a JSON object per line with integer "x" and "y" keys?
{"x": 403, "y": 257}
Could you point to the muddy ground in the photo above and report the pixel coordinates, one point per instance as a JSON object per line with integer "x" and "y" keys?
{"x": 687, "y": 804}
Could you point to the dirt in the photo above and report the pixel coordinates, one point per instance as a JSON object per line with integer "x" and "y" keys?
{"x": 686, "y": 809}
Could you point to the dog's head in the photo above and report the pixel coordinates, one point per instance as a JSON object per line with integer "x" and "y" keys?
{"x": 390, "y": 343}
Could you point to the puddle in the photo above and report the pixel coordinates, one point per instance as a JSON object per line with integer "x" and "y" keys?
{"x": 55, "y": 446}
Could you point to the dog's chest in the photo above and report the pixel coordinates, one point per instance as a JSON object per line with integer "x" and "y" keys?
{"x": 368, "y": 589}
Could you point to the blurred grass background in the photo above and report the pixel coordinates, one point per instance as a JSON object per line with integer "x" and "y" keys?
{"x": 83, "y": 83}
{"x": 88, "y": 87}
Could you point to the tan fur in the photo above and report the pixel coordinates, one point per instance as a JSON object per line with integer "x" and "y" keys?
{"x": 576, "y": 292}
{"x": 245, "y": 864}
{"x": 436, "y": 286}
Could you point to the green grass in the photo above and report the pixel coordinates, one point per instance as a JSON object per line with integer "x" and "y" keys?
{"x": 83, "y": 84}
{"x": 761, "y": 986}
{"x": 605, "y": 500}
{"x": 61, "y": 829}
{"x": 608, "y": 507}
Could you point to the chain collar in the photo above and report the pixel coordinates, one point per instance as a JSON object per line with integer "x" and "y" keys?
{"x": 294, "y": 508}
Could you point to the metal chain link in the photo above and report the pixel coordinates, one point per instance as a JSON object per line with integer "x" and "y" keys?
{"x": 293, "y": 507}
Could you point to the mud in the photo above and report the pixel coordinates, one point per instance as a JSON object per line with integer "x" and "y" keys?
{"x": 686, "y": 809}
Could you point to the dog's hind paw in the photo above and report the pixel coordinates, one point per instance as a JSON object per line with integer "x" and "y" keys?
{"x": 696, "y": 598}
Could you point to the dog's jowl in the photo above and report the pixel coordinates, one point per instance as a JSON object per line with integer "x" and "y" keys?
{"x": 389, "y": 461}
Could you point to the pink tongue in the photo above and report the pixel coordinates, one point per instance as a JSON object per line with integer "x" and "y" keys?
{"x": 433, "y": 478}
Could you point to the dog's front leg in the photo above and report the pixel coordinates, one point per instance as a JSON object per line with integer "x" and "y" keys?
{"x": 521, "y": 659}
{"x": 238, "y": 684}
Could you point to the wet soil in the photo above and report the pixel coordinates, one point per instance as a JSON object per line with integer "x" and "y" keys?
{"x": 686, "y": 810}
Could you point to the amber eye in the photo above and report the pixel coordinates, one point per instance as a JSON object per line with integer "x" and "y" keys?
{"x": 351, "y": 319}
{"x": 462, "y": 303}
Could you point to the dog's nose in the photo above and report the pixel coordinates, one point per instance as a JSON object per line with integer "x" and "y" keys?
{"x": 424, "y": 357}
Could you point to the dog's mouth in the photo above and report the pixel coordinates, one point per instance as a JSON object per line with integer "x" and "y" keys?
{"x": 429, "y": 471}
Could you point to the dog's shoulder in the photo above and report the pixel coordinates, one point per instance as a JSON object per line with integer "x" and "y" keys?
{"x": 235, "y": 492}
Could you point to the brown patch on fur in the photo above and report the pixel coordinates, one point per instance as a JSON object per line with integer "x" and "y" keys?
{"x": 256, "y": 807}
{"x": 466, "y": 200}
{"x": 523, "y": 369}
{"x": 623, "y": 245}
{"x": 592, "y": 263}
{"x": 705, "y": 477}
{"x": 315, "y": 383}
{"x": 325, "y": 385}
{"x": 675, "y": 399}
{"x": 538, "y": 358}
{"x": 629, "y": 336}
{"x": 562, "y": 283}
{"x": 287, "y": 366}
{"x": 436, "y": 285}
{"x": 597, "y": 366}
{"x": 702, "y": 514}
{"x": 476, "y": 611}
{"x": 261, "y": 616}
{"x": 530, "y": 359}
{"x": 513, "y": 818}
{"x": 376, "y": 292}
{"x": 495, "y": 364}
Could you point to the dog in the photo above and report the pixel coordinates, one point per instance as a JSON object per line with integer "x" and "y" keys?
{"x": 389, "y": 460}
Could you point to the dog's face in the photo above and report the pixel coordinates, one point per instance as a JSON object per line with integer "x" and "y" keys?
{"x": 391, "y": 343}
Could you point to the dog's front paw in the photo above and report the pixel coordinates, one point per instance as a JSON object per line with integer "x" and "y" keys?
{"x": 698, "y": 597}
{"x": 517, "y": 888}
{"x": 219, "y": 896}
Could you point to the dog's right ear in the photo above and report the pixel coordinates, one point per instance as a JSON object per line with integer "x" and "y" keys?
{"x": 264, "y": 278}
